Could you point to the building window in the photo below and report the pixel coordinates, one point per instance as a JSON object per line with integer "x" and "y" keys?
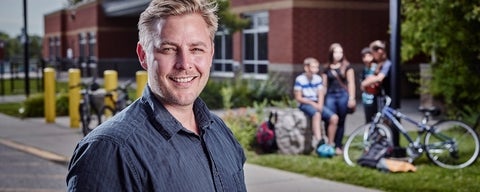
{"x": 82, "y": 40}
{"x": 92, "y": 41}
{"x": 255, "y": 46}
{"x": 51, "y": 48}
{"x": 223, "y": 58}
{"x": 57, "y": 50}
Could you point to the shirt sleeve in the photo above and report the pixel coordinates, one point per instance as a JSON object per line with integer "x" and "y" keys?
{"x": 386, "y": 67}
{"x": 100, "y": 166}
{"x": 297, "y": 86}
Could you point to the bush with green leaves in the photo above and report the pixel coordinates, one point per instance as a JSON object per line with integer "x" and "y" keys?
{"x": 239, "y": 92}
{"x": 34, "y": 106}
{"x": 452, "y": 42}
{"x": 243, "y": 125}
{"x": 211, "y": 94}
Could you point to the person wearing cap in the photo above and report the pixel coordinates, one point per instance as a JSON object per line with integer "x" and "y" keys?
{"x": 339, "y": 78}
{"x": 369, "y": 92}
{"x": 382, "y": 70}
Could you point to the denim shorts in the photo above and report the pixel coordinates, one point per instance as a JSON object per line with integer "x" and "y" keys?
{"x": 310, "y": 111}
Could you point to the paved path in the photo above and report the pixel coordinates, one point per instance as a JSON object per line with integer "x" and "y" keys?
{"x": 56, "y": 142}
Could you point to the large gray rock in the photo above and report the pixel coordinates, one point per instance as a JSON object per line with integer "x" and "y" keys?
{"x": 293, "y": 132}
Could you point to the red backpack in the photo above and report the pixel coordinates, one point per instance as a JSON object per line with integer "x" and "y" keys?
{"x": 265, "y": 135}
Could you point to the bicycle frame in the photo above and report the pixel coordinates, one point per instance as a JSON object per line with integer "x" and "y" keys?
{"x": 448, "y": 143}
{"x": 392, "y": 115}
{"x": 122, "y": 93}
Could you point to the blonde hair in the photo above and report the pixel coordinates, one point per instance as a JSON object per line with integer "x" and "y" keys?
{"x": 309, "y": 60}
{"x": 158, "y": 10}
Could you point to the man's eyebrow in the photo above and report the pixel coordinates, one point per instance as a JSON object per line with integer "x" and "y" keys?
{"x": 194, "y": 44}
{"x": 168, "y": 43}
{"x": 198, "y": 43}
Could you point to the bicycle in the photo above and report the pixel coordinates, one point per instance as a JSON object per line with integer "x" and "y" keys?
{"x": 91, "y": 103}
{"x": 120, "y": 103}
{"x": 449, "y": 144}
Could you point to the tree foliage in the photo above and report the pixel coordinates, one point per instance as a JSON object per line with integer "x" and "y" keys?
{"x": 228, "y": 19}
{"x": 449, "y": 33}
{"x": 14, "y": 47}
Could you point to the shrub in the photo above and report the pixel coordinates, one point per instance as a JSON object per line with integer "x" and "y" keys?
{"x": 34, "y": 106}
{"x": 211, "y": 95}
{"x": 243, "y": 92}
{"x": 243, "y": 125}
{"x": 62, "y": 104}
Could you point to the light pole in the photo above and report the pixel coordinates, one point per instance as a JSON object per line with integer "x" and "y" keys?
{"x": 25, "y": 49}
{"x": 395, "y": 69}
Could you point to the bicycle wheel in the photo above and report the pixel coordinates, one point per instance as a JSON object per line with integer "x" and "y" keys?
{"x": 360, "y": 140}
{"x": 106, "y": 113}
{"x": 452, "y": 144}
{"x": 89, "y": 118}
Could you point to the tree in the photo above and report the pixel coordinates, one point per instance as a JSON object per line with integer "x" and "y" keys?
{"x": 448, "y": 32}
{"x": 228, "y": 19}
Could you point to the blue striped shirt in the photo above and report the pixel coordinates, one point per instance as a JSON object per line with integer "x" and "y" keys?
{"x": 309, "y": 88}
{"x": 144, "y": 148}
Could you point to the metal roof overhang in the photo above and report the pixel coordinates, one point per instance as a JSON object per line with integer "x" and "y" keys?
{"x": 124, "y": 8}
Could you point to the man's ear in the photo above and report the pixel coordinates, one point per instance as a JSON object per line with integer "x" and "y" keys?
{"x": 142, "y": 56}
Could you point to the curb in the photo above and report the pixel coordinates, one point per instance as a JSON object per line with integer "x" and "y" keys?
{"x": 56, "y": 158}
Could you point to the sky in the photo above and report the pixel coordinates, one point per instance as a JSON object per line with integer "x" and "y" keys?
{"x": 11, "y": 15}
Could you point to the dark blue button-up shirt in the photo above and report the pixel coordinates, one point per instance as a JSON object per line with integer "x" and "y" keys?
{"x": 144, "y": 148}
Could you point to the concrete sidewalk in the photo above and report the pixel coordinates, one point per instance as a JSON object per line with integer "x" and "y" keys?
{"x": 56, "y": 142}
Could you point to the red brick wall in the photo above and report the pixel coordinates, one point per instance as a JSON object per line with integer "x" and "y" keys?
{"x": 84, "y": 16}
{"x": 117, "y": 43}
{"x": 53, "y": 28}
{"x": 315, "y": 30}
{"x": 110, "y": 32}
{"x": 234, "y": 3}
{"x": 114, "y": 32}
{"x": 303, "y": 30}
{"x": 280, "y": 34}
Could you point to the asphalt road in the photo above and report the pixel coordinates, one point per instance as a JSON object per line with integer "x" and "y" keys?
{"x": 22, "y": 172}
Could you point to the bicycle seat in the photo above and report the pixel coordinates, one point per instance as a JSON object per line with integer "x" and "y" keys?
{"x": 94, "y": 86}
{"x": 429, "y": 110}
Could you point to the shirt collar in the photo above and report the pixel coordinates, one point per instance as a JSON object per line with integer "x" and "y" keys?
{"x": 165, "y": 123}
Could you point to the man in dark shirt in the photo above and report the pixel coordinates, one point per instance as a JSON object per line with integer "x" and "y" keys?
{"x": 167, "y": 140}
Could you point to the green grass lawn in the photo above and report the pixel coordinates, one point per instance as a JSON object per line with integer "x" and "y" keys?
{"x": 10, "y": 109}
{"x": 428, "y": 176}
{"x": 17, "y": 86}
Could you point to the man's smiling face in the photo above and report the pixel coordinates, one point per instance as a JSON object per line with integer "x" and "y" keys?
{"x": 182, "y": 58}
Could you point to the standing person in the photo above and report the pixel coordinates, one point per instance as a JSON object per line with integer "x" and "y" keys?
{"x": 382, "y": 77}
{"x": 309, "y": 93}
{"x": 379, "y": 79}
{"x": 369, "y": 92}
{"x": 339, "y": 79}
{"x": 167, "y": 140}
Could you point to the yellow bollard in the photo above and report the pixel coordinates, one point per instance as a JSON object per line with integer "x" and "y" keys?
{"x": 74, "y": 97}
{"x": 141, "y": 78}
{"x": 49, "y": 95}
{"x": 111, "y": 83}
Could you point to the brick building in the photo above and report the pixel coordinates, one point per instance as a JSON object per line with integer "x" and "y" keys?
{"x": 94, "y": 36}
{"x": 280, "y": 35}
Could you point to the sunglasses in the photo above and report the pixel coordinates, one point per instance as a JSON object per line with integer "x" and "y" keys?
{"x": 376, "y": 48}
